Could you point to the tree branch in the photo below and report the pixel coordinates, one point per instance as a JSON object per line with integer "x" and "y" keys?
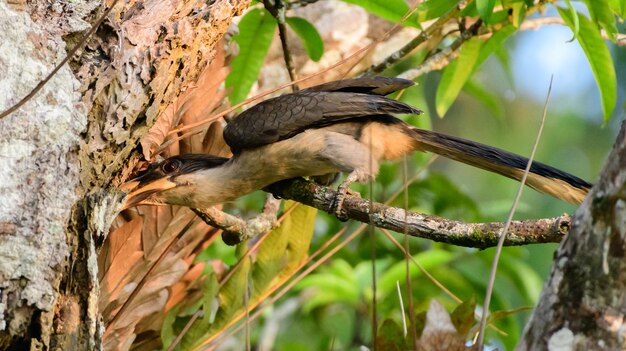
{"x": 479, "y": 235}
{"x": 235, "y": 229}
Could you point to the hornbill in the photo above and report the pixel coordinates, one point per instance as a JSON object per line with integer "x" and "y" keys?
{"x": 341, "y": 126}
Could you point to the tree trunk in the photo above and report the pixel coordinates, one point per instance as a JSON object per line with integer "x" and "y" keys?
{"x": 63, "y": 152}
{"x": 583, "y": 305}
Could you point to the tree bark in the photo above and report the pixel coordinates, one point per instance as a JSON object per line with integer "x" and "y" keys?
{"x": 63, "y": 153}
{"x": 583, "y": 305}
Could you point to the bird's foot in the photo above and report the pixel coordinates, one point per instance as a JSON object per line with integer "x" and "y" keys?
{"x": 342, "y": 191}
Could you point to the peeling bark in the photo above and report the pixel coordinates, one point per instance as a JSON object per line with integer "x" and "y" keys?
{"x": 583, "y": 305}
{"x": 62, "y": 152}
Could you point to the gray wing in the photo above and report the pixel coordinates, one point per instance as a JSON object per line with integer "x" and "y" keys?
{"x": 287, "y": 115}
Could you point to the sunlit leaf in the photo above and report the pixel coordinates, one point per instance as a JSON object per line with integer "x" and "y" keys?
{"x": 256, "y": 31}
{"x": 392, "y": 10}
{"x": 397, "y": 272}
{"x": 435, "y": 8}
{"x": 518, "y": 13}
{"x": 600, "y": 12}
{"x": 599, "y": 58}
{"x": 618, "y": 7}
{"x": 494, "y": 43}
{"x": 313, "y": 43}
{"x": 282, "y": 251}
{"x": 456, "y": 74}
{"x": 329, "y": 288}
{"x": 575, "y": 23}
{"x": 485, "y": 8}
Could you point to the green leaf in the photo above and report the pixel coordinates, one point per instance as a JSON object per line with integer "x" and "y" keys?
{"x": 518, "y": 13}
{"x": 256, "y": 31}
{"x": 576, "y": 24}
{"x": 502, "y": 54}
{"x": 434, "y": 8}
{"x": 485, "y": 9}
{"x": 601, "y": 14}
{"x": 329, "y": 288}
{"x": 456, "y": 74}
{"x": 463, "y": 316}
{"x": 618, "y": 7}
{"x": 469, "y": 10}
{"x": 445, "y": 198}
{"x": 209, "y": 293}
{"x": 526, "y": 279}
{"x": 486, "y": 97}
{"x": 167, "y": 329}
{"x": 390, "y": 337}
{"x": 392, "y": 10}
{"x": 282, "y": 251}
{"x": 284, "y": 248}
{"x": 313, "y": 43}
{"x": 599, "y": 58}
{"x": 397, "y": 272}
{"x": 494, "y": 43}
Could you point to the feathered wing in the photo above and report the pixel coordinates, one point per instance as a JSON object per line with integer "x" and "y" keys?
{"x": 287, "y": 115}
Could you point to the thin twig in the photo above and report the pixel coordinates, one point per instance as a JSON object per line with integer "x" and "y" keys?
{"x": 278, "y": 11}
{"x": 407, "y": 252}
{"x": 509, "y": 220}
{"x": 372, "y": 237}
{"x": 442, "y": 58}
{"x": 403, "y": 313}
{"x": 68, "y": 57}
{"x": 411, "y": 45}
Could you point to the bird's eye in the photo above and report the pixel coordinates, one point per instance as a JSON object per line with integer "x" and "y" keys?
{"x": 170, "y": 166}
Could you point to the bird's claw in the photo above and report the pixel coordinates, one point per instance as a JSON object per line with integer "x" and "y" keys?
{"x": 340, "y": 197}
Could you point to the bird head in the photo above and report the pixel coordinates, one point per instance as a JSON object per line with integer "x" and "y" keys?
{"x": 169, "y": 182}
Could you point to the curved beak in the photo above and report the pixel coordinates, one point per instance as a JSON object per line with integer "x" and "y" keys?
{"x": 139, "y": 191}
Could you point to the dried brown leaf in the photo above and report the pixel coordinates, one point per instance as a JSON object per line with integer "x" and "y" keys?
{"x": 153, "y": 228}
{"x": 439, "y": 333}
{"x": 196, "y": 103}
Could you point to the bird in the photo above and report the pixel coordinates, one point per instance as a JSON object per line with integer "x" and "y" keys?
{"x": 343, "y": 126}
